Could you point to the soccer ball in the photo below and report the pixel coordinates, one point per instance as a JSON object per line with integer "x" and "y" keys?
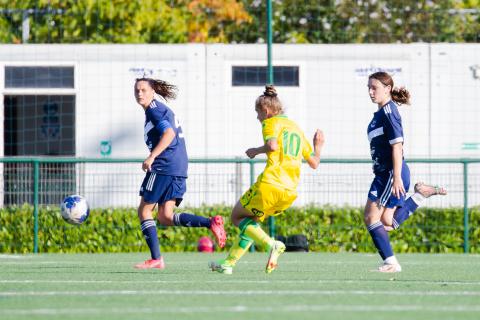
{"x": 75, "y": 209}
{"x": 205, "y": 244}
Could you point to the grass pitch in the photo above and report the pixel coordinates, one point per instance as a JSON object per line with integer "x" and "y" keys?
{"x": 305, "y": 286}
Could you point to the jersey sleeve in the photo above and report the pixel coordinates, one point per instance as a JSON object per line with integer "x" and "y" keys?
{"x": 269, "y": 130}
{"x": 393, "y": 125}
{"x": 162, "y": 120}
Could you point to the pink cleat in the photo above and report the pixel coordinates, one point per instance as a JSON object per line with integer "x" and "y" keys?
{"x": 218, "y": 230}
{"x": 151, "y": 264}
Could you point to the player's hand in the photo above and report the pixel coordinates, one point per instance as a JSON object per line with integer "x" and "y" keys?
{"x": 147, "y": 164}
{"x": 318, "y": 138}
{"x": 251, "y": 153}
{"x": 397, "y": 187}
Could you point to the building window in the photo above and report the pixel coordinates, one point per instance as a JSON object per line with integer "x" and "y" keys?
{"x": 38, "y": 124}
{"x": 39, "y": 77}
{"x": 243, "y": 76}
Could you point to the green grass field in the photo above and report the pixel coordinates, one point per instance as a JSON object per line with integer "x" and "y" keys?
{"x": 306, "y": 286}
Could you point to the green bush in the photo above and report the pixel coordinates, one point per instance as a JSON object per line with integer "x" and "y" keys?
{"x": 327, "y": 228}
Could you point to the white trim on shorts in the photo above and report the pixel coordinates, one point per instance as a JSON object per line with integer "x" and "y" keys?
{"x": 150, "y": 182}
{"x": 388, "y": 190}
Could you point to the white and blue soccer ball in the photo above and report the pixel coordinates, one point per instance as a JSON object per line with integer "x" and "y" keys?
{"x": 74, "y": 209}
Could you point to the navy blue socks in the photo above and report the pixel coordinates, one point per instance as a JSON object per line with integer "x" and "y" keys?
{"x": 403, "y": 213}
{"x": 380, "y": 239}
{"x": 149, "y": 230}
{"x": 191, "y": 220}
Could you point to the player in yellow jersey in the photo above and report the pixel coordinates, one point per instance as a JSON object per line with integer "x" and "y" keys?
{"x": 275, "y": 190}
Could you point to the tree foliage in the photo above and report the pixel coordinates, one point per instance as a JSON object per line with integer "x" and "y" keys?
{"x": 96, "y": 21}
{"x": 364, "y": 21}
{"x": 240, "y": 21}
{"x": 214, "y": 20}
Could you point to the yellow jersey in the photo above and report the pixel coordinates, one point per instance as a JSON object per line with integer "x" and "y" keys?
{"x": 283, "y": 165}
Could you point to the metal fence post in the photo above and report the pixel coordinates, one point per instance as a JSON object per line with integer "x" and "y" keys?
{"x": 252, "y": 181}
{"x": 271, "y": 226}
{"x": 252, "y": 172}
{"x": 269, "y": 43}
{"x": 36, "y": 174}
{"x": 465, "y": 207}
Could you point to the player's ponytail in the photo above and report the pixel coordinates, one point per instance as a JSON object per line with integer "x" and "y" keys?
{"x": 269, "y": 100}
{"x": 399, "y": 95}
{"x": 166, "y": 90}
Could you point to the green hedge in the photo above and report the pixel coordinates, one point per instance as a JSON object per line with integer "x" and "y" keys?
{"x": 327, "y": 228}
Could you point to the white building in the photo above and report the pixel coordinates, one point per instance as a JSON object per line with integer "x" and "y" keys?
{"x": 77, "y": 100}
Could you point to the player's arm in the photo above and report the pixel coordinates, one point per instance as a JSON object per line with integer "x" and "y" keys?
{"x": 394, "y": 132}
{"x": 269, "y": 146}
{"x": 397, "y": 157}
{"x": 167, "y": 138}
{"x": 318, "y": 141}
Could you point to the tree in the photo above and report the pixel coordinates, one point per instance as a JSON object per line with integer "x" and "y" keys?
{"x": 214, "y": 20}
{"x": 96, "y": 21}
{"x": 121, "y": 21}
{"x": 363, "y": 21}
{"x": 241, "y": 21}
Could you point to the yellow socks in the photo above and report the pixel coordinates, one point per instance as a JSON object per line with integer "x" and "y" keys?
{"x": 238, "y": 249}
{"x": 252, "y": 229}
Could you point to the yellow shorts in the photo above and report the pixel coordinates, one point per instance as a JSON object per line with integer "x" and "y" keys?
{"x": 264, "y": 200}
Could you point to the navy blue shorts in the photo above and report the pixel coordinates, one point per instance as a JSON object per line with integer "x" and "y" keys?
{"x": 381, "y": 188}
{"x": 157, "y": 188}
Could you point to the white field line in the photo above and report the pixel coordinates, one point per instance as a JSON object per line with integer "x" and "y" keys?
{"x": 238, "y": 292}
{"x": 241, "y": 309}
{"x": 10, "y": 256}
{"x": 305, "y": 263}
{"x": 33, "y": 281}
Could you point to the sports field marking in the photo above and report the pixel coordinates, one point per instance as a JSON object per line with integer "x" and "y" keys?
{"x": 10, "y": 256}
{"x": 242, "y": 309}
{"x": 237, "y": 292}
{"x": 29, "y": 261}
{"x": 471, "y": 283}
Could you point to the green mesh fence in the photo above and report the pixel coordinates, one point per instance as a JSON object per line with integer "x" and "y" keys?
{"x": 338, "y": 185}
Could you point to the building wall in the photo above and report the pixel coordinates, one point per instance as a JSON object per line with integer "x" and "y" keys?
{"x": 219, "y": 120}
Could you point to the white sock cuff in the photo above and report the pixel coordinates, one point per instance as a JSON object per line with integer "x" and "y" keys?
{"x": 176, "y": 219}
{"x": 391, "y": 260}
{"x": 147, "y": 224}
{"x": 374, "y": 225}
{"x": 395, "y": 224}
{"x": 417, "y": 198}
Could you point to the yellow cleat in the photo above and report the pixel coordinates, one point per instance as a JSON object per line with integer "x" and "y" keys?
{"x": 276, "y": 250}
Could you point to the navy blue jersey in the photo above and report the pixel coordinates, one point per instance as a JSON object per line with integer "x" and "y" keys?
{"x": 173, "y": 161}
{"x": 384, "y": 130}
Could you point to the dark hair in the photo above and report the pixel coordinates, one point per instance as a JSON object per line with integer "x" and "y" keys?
{"x": 163, "y": 88}
{"x": 269, "y": 100}
{"x": 399, "y": 95}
